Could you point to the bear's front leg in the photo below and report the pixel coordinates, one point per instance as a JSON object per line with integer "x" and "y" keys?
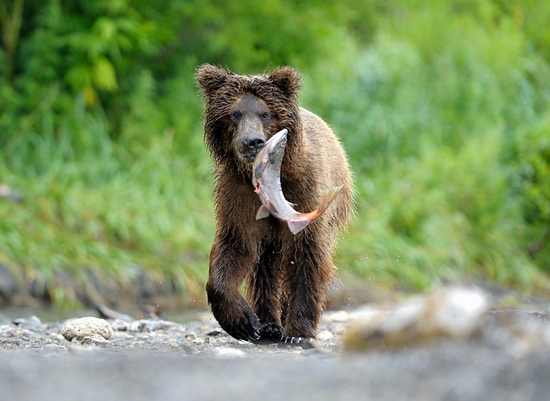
{"x": 229, "y": 264}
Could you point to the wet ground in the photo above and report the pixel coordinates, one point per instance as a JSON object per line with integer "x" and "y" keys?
{"x": 158, "y": 360}
{"x": 442, "y": 372}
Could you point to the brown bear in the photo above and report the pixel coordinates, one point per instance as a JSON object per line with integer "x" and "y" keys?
{"x": 286, "y": 275}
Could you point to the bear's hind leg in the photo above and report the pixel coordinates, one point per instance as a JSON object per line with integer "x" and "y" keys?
{"x": 263, "y": 292}
{"x": 307, "y": 278}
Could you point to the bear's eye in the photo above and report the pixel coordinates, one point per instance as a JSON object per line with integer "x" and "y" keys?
{"x": 236, "y": 115}
{"x": 264, "y": 115}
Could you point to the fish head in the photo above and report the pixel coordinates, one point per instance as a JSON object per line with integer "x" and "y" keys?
{"x": 275, "y": 147}
{"x": 272, "y": 153}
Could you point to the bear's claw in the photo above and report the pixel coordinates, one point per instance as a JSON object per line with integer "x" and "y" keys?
{"x": 299, "y": 341}
{"x": 242, "y": 334}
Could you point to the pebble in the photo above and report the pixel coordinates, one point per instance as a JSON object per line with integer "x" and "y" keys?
{"x": 96, "y": 339}
{"x": 325, "y": 335}
{"x": 145, "y": 325}
{"x": 338, "y": 328}
{"x": 337, "y": 316}
{"x": 224, "y": 352}
{"x": 120, "y": 325}
{"x": 86, "y": 327}
{"x": 122, "y": 335}
{"x": 31, "y": 322}
{"x": 54, "y": 347}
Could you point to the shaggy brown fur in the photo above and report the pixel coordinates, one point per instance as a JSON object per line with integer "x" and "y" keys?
{"x": 286, "y": 276}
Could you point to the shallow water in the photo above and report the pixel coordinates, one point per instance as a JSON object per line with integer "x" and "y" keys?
{"x": 45, "y": 314}
{"x": 50, "y": 314}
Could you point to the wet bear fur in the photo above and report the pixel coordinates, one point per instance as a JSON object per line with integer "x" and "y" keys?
{"x": 286, "y": 276}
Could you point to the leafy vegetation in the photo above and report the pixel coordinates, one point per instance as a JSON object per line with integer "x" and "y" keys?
{"x": 443, "y": 107}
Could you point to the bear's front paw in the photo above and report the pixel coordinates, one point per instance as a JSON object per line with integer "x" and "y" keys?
{"x": 240, "y": 321}
{"x": 245, "y": 328}
{"x": 297, "y": 341}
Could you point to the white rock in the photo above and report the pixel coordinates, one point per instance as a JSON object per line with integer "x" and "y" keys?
{"x": 225, "y": 352}
{"x": 325, "y": 336}
{"x": 337, "y": 316}
{"x": 338, "y": 328}
{"x": 86, "y": 327}
{"x": 453, "y": 313}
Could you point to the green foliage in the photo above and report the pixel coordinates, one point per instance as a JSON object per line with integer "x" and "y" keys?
{"x": 533, "y": 180}
{"x": 442, "y": 216}
{"x": 108, "y": 210}
{"x": 443, "y": 108}
{"x": 442, "y": 112}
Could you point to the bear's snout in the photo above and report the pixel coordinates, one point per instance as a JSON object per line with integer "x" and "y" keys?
{"x": 250, "y": 146}
{"x": 254, "y": 143}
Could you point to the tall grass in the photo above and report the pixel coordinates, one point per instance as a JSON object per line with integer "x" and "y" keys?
{"x": 108, "y": 205}
{"x": 444, "y": 115}
{"x": 445, "y": 216}
{"x": 432, "y": 116}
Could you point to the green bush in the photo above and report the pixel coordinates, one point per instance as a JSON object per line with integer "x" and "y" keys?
{"x": 444, "y": 216}
{"x": 435, "y": 118}
{"x": 443, "y": 108}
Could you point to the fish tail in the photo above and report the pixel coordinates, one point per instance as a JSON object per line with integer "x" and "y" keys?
{"x": 327, "y": 197}
{"x": 304, "y": 219}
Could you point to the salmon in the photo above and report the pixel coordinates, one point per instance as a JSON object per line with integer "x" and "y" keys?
{"x": 266, "y": 178}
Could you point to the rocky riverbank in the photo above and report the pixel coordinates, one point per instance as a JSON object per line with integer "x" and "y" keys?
{"x": 504, "y": 355}
{"x": 202, "y": 336}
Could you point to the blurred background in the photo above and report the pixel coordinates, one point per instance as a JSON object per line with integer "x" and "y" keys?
{"x": 106, "y": 188}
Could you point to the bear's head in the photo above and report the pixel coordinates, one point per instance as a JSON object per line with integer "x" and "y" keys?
{"x": 243, "y": 112}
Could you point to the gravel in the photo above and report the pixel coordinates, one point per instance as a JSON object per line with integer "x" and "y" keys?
{"x": 153, "y": 359}
{"x": 200, "y": 337}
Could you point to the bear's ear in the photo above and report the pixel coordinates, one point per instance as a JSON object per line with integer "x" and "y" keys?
{"x": 211, "y": 78}
{"x": 287, "y": 79}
